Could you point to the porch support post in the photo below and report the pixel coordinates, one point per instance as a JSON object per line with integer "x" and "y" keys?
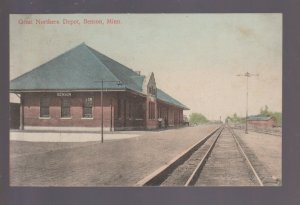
{"x": 21, "y": 112}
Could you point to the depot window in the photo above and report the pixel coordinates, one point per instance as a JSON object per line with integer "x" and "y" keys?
{"x": 88, "y": 107}
{"x": 138, "y": 111}
{"x": 151, "y": 110}
{"x": 130, "y": 110}
{"x": 44, "y": 106}
{"x": 65, "y": 107}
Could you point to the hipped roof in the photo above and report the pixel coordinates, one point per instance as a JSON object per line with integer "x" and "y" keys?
{"x": 83, "y": 68}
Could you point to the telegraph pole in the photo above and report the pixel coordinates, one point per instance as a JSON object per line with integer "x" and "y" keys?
{"x": 101, "y": 111}
{"x": 247, "y": 75}
{"x": 119, "y": 83}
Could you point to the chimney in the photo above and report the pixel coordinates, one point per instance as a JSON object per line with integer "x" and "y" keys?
{"x": 138, "y": 72}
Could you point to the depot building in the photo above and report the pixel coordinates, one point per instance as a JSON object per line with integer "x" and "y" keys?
{"x": 79, "y": 88}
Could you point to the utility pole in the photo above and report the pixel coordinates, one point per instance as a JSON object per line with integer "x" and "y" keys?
{"x": 119, "y": 83}
{"x": 247, "y": 75}
{"x": 101, "y": 111}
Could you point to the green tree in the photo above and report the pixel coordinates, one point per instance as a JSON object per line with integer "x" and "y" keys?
{"x": 265, "y": 110}
{"x": 235, "y": 116}
{"x": 235, "y": 119}
{"x": 276, "y": 116}
{"x": 197, "y": 118}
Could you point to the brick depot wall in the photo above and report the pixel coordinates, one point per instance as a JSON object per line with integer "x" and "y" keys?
{"x": 32, "y": 110}
{"x": 113, "y": 118}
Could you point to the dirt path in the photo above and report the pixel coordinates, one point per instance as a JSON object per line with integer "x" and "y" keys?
{"x": 267, "y": 149}
{"x": 116, "y": 163}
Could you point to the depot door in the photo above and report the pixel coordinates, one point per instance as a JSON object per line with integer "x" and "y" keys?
{"x": 14, "y": 115}
{"x": 125, "y": 113}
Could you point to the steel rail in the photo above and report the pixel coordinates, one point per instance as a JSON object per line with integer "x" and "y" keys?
{"x": 159, "y": 175}
{"x": 201, "y": 164}
{"x": 247, "y": 159}
{"x": 262, "y": 132}
{"x": 155, "y": 177}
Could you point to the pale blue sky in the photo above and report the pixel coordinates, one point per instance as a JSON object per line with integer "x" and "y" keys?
{"x": 194, "y": 57}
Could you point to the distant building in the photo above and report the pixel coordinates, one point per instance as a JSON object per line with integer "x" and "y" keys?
{"x": 65, "y": 94}
{"x": 260, "y": 121}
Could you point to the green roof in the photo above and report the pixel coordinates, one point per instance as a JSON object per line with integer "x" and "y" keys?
{"x": 76, "y": 69}
{"x": 259, "y": 118}
{"x": 83, "y": 68}
{"x": 161, "y": 95}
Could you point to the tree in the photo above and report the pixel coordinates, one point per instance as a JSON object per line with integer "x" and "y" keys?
{"x": 264, "y": 111}
{"x": 197, "y": 118}
{"x": 235, "y": 119}
{"x": 276, "y": 116}
{"x": 235, "y": 116}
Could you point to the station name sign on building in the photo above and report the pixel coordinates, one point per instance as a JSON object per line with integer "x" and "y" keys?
{"x": 63, "y": 94}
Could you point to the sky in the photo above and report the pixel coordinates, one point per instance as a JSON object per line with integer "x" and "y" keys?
{"x": 194, "y": 57}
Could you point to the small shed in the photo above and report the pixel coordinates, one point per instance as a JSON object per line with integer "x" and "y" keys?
{"x": 260, "y": 121}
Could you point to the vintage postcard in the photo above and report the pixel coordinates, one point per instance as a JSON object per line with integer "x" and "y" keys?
{"x": 145, "y": 100}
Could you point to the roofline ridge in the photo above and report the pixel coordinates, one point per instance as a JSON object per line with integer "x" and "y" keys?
{"x": 113, "y": 60}
{"x": 88, "y": 48}
{"x": 57, "y": 56}
{"x": 92, "y": 49}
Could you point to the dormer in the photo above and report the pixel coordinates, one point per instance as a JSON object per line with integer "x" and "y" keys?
{"x": 149, "y": 85}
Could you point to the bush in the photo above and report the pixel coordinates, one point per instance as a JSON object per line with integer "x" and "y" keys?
{"x": 197, "y": 118}
{"x": 236, "y": 119}
{"x": 276, "y": 116}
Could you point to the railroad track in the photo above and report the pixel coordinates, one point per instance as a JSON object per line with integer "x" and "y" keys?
{"x": 217, "y": 160}
{"x": 262, "y": 131}
{"x": 268, "y": 133}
